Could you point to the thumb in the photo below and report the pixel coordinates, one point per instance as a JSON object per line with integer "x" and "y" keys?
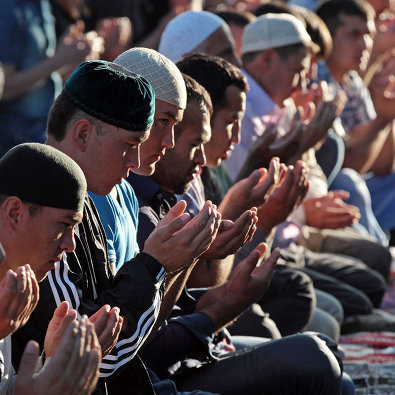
{"x": 246, "y": 266}
{"x": 60, "y": 312}
{"x": 174, "y": 226}
{"x": 340, "y": 194}
{"x": 266, "y": 268}
{"x": 173, "y": 213}
{"x": 28, "y": 364}
{"x": 254, "y": 178}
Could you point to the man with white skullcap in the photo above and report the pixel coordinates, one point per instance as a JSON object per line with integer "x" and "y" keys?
{"x": 170, "y": 101}
{"x": 201, "y": 31}
{"x": 120, "y": 220}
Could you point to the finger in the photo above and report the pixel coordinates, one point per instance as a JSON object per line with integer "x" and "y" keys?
{"x": 21, "y": 280}
{"x": 167, "y": 231}
{"x": 344, "y": 195}
{"x": 99, "y": 319}
{"x": 77, "y": 361}
{"x": 87, "y": 381}
{"x": 58, "y": 315}
{"x": 35, "y": 290}
{"x": 27, "y": 366}
{"x": 207, "y": 215}
{"x": 255, "y": 177}
{"x": 225, "y": 225}
{"x": 173, "y": 213}
{"x": 106, "y": 338}
{"x": 202, "y": 239}
{"x": 266, "y": 268}
{"x": 274, "y": 169}
{"x": 62, "y": 360}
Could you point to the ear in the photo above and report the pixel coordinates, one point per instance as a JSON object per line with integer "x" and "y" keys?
{"x": 82, "y": 132}
{"x": 11, "y": 212}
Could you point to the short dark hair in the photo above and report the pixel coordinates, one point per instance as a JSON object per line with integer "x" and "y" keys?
{"x": 63, "y": 112}
{"x": 214, "y": 74}
{"x": 196, "y": 93}
{"x": 331, "y": 10}
{"x": 274, "y": 7}
{"x": 59, "y": 117}
{"x": 236, "y": 17}
{"x": 317, "y": 30}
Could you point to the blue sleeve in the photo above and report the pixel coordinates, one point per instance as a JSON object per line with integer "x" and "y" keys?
{"x": 11, "y": 32}
{"x": 108, "y": 220}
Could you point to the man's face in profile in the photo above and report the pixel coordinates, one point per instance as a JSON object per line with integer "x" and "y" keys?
{"x": 41, "y": 237}
{"x": 181, "y": 164}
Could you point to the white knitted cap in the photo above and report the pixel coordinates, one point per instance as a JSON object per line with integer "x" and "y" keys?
{"x": 159, "y": 71}
{"x": 186, "y": 31}
{"x": 273, "y": 31}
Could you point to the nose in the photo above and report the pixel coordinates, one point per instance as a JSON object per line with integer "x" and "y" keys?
{"x": 168, "y": 138}
{"x": 200, "y": 156}
{"x": 67, "y": 242}
{"x": 236, "y": 132}
{"x": 133, "y": 158}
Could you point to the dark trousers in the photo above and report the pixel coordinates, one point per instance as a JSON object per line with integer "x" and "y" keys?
{"x": 298, "y": 364}
{"x": 357, "y": 287}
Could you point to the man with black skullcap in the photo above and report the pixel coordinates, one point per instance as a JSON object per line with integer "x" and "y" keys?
{"x": 42, "y": 193}
{"x": 100, "y": 119}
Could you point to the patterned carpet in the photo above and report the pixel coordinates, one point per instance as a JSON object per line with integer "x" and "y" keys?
{"x": 370, "y": 356}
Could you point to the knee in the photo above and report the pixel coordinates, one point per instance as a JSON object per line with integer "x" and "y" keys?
{"x": 316, "y": 359}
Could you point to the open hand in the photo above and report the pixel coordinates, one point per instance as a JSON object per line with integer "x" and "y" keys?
{"x": 108, "y": 324}
{"x": 330, "y": 211}
{"x": 232, "y": 236}
{"x": 177, "y": 242}
{"x": 285, "y": 198}
{"x": 73, "y": 370}
{"x": 19, "y": 294}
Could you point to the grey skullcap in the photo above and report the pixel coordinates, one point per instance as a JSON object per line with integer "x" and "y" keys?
{"x": 159, "y": 71}
{"x": 188, "y": 30}
{"x": 42, "y": 175}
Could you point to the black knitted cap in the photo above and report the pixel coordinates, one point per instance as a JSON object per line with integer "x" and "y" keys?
{"x": 42, "y": 175}
{"x": 113, "y": 94}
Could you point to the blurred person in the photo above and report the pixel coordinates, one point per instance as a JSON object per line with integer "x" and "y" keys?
{"x": 236, "y": 21}
{"x": 117, "y": 35}
{"x": 39, "y": 210}
{"x": 198, "y": 32}
{"x": 262, "y": 62}
{"x": 367, "y": 118}
{"x": 31, "y": 60}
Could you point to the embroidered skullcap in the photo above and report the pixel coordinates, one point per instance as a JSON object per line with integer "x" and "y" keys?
{"x": 186, "y": 31}
{"x": 42, "y": 175}
{"x": 159, "y": 71}
{"x": 109, "y": 92}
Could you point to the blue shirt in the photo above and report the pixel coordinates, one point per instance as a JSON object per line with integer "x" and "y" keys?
{"x": 27, "y": 37}
{"x": 359, "y": 108}
{"x": 260, "y": 111}
{"x": 120, "y": 221}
